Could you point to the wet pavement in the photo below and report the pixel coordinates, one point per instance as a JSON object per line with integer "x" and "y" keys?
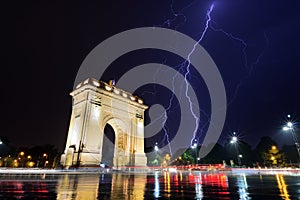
{"x": 157, "y": 185}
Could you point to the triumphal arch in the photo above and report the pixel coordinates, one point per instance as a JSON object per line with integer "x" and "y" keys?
{"x": 96, "y": 104}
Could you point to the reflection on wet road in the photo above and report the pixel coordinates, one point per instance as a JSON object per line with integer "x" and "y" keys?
{"x": 158, "y": 185}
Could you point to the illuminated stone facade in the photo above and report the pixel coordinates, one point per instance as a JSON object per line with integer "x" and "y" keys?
{"x": 96, "y": 104}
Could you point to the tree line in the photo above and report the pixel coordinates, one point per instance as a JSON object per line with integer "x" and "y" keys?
{"x": 267, "y": 153}
{"x": 42, "y": 156}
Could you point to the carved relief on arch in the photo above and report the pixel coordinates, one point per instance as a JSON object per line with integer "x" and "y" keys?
{"x": 107, "y": 117}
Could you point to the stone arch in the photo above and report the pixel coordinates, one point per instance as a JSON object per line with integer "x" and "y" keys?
{"x": 115, "y": 122}
{"x": 96, "y": 104}
{"x": 120, "y": 143}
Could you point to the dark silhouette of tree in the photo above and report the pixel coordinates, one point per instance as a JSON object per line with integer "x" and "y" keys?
{"x": 246, "y": 152}
{"x": 5, "y": 147}
{"x": 215, "y": 156}
{"x": 263, "y": 147}
{"x": 290, "y": 153}
{"x": 239, "y": 149}
{"x": 41, "y": 154}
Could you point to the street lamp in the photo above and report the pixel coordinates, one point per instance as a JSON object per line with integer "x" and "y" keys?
{"x": 156, "y": 153}
{"x": 21, "y": 158}
{"x": 46, "y": 162}
{"x": 290, "y": 127}
{"x": 234, "y": 140}
{"x": 194, "y": 146}
{"x": 44, "y": 158}
{"x": 156, "y": 147}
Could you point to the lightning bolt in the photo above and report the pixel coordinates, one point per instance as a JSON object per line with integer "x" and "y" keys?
{"x": 185, "y": 66}
{"x": 176, "y": 15}
{"x": 208, "y": 19}
{"x": 250, "y": 67}
{"x": 208, "y": 25}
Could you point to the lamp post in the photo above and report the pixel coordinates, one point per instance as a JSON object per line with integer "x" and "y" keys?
{"x": 290, "y": 127}
{"x": 21, "y": 158}
{"x": 194, "y": 146}
{"x": 156, "y": 152}
{"x": 80, "y": 148}
{"x": 156, "y": 147}
{"x": 46, "y": 162}
{"x": 45, "y": 157}
{"x": 234, "y": 141}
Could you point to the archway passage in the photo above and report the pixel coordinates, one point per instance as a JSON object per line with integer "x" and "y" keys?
{"x": 108, "y": 147}
{"x": 107, "y": 125}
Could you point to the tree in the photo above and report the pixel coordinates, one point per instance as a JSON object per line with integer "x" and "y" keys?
{"x": 290, "y": 153}
{"x": 188, "y": 157}
{"x": 264, "y": 145}
{"x": 215, "y": 156}
{"x": 246, "y": 152}
{"x": 44, "y": 156}
{"x": 273, "y": 157}
{"x": 240, "y": 150}
{"x": 154, "y": 158}
{"x": 166, "y": 159}
{"x": 5, "y": 147}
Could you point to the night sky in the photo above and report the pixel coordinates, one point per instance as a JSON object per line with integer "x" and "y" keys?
{"x": 43, "y": 45}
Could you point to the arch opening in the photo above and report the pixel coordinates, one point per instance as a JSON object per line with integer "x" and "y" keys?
{"x": 108, "y": 147}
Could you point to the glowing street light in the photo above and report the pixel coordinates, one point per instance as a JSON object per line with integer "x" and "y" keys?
{"x": 194, "y": 146}
{"x": 46, "y": 162}
{"x": 156, "y": 147}
{"x": 289, "y": 124}
{"x": 272, "y": 158}
{"x": 290, "y": 127}
{"x": 21, "y": 157}
{"x": 234, "y": 140}
{"x": 156, "y": 153}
